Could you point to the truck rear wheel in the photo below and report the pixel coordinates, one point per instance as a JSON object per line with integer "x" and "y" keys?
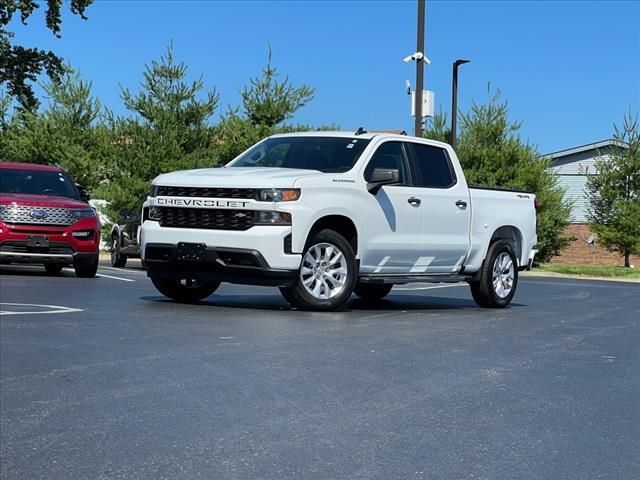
{"x": 327, "y": 276}
{"x": 498, "y": 278}
{"x": 185, "y": 290}
{"x": 371, "y": 293}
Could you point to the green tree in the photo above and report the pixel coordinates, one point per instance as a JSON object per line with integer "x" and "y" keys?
{"x": 21, "y": 65}
{"x": 493, "y": 155}
{"x": 169, "y": 130}
{"x": 266, "y": 103}
{"x": 65, "y": 133}
{"x": 614, "y": 192}
{"x": 439, "y": 129}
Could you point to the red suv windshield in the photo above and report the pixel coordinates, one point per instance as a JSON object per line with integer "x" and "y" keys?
{"x": 37, "y": 182}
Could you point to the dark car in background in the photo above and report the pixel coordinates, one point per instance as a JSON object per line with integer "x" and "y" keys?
{"x": 45, "y": 218}
{"x": 125, "y": 235}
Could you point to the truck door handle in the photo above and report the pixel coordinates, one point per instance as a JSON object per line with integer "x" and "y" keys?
{"x": 461, "y": 204}
{"x": 414, "y": 201}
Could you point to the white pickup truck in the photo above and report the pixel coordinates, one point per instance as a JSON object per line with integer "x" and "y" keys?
{"x": 323, "y": 215}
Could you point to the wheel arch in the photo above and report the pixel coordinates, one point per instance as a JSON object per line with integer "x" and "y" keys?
{"x": 115, "y": 231}
{"x": 510, "y": 234}
{"x": 340, "y": 224}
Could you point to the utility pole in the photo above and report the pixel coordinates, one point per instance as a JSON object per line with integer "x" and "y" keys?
{"x": 454, "y": 100}
{"x": 420, "y": 68}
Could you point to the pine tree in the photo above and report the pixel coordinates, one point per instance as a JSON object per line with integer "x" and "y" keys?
{"x": 66, "y": 133}
{"x": 614, "y": 192}
{"x": 169, "y": 130}
{"x": 493, "y": 155}
{"x": 266, "y": 103}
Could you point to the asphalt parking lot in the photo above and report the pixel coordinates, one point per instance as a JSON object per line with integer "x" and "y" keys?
{"x": 105, "y": 379}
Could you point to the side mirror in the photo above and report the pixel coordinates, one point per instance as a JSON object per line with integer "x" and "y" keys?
{"x": 84, "y": 194}
{"x": 124, "y": 213}
{"x": 381, "y": 177}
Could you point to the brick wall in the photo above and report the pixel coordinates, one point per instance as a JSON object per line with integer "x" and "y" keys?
{"x": 579, "y": 252}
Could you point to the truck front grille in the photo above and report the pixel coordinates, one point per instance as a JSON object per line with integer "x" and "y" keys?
{"x": 211, "y": 219}
{"x": 248, "y": 193}
{"x": 37, "y": 215}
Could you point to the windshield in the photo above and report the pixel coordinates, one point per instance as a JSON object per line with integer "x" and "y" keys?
{"x": 37, "y": 182}
{"x": 326, "y": 154}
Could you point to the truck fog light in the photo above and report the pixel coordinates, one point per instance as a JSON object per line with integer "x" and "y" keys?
{"x": 274, "y": 218}
{"x": 83, "y": 234}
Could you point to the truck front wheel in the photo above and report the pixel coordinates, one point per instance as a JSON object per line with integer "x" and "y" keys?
{"x": 498, "y": 278}
{"x": 327, "y": 275}
{"x": 185, "y": 290}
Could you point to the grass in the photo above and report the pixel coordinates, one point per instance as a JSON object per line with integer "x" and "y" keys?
{"x": 591, "y": 270}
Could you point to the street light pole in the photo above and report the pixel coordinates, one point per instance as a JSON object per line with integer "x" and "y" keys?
{"x": 454, "y": 100}
{"x": 419, "y": 69}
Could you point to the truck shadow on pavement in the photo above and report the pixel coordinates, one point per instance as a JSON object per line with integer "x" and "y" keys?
{"x": 275, "y": 302}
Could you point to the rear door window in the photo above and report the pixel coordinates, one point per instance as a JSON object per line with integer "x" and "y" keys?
{"x": 431, "y": 167}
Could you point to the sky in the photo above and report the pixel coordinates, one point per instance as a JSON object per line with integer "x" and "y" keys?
{"x": 568, "y": 69}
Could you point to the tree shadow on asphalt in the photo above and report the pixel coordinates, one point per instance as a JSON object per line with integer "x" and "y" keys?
{"x": 393, "y": 303}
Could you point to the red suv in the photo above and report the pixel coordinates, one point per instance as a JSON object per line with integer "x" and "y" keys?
{"x": 45, "y": 218}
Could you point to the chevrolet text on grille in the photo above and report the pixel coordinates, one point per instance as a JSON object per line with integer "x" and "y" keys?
{"x": 194, "y": 202}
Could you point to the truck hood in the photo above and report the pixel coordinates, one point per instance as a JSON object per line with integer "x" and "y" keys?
{"x": 253, "y": 177}
{"x": 40, "y": 200}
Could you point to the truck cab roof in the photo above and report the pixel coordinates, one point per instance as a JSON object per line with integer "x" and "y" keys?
{"x": 364, "y": 136}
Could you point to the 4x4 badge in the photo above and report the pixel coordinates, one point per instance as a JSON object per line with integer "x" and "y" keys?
{"x": 39, "y": 214}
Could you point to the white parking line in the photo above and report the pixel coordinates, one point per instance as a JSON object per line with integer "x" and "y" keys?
{"x": 114, "y": 278}
{"x": 55, "y": 309}
{"x": 433, "y": 286}
{"x": 123, "y": 270}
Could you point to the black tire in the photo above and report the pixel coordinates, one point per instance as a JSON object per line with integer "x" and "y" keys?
{"x": 483, "y": 291}
{"x": 182, "y": 292}
{"x": 372, "y": 293}
{"x": 53, "y": 267}
{"x": 86, "y": 270}
{"x": 118, "y": 260}
{"x": 333, "y": 282}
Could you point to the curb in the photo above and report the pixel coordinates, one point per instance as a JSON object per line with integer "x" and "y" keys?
{"x": 532, "y": 273}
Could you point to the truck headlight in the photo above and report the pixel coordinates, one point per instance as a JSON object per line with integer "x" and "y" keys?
{"x": 279, "y": 195}
{"x": 154, "y": 214}
{"x": 273, "y": 218}
{"x": 83, "y": 212}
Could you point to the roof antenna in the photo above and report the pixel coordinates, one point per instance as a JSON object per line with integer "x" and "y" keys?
{"x": 361, "y": 131}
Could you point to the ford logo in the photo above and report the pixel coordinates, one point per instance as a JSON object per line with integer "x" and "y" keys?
{"x": 39, "y": 214}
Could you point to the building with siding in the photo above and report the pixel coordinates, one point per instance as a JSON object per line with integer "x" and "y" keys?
{"x": 573, "y": 166}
